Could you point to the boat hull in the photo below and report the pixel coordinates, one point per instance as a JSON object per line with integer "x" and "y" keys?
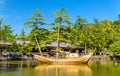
{"x": 76, "y": 60}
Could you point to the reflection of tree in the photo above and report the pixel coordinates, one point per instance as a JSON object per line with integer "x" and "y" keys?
{"x": 63, "y": 70}
{"x": 4, "y": 67}
{"x": 12, "y": 66}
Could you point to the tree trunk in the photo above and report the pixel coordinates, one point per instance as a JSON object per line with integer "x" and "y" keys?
{"x": 38, "y": 45}
{"x": 0, "y": 53}
{"x": 58, "y": 37}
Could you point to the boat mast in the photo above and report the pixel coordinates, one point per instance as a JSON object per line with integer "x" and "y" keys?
{"x": 58, "y": 37}
{"x": 85, "y": 42}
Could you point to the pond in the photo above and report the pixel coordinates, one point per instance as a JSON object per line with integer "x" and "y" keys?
{"x": 33, "y": 68}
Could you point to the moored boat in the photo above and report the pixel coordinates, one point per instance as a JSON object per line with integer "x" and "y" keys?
{"x": 69, "y": 60}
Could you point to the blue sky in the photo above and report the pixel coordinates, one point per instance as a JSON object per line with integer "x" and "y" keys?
{"x": 16, "y": 12}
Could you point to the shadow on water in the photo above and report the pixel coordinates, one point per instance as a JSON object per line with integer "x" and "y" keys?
{"x": 63, "y": 70}
{"x": 12, "y": 66}
{"x": 8, "y": 68}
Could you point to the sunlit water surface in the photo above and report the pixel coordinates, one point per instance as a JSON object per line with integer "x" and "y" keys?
{"x": 33, "y": 68}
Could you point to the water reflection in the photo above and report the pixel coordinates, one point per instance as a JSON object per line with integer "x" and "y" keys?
{"x": 63, "y": 70}
{"x": 5, "y": 67}
{"x": 29, "y": 68}
{"x": 13, "y": 66}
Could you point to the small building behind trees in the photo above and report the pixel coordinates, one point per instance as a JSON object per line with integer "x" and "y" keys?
{"x": 66, "y": 48}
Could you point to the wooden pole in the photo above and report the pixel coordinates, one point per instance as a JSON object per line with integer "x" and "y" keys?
{"x": 38, "y": 45}
{"x": 58, "y": 37}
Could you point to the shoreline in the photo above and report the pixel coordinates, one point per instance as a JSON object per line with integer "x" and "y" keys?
{"x": 25, "y": 57}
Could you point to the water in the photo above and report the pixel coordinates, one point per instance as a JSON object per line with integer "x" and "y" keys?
{"x": 31, "y": 68}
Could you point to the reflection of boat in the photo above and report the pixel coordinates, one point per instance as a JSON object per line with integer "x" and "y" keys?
{"x": 63, "y": 70}
{"x": 73, "y": 60}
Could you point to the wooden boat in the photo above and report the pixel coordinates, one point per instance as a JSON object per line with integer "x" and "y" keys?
{"x": 73, "y": 60}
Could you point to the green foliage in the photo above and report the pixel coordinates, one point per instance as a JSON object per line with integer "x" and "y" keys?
{"x": 35, "y": 20}
{"x": 115, "y": 47}
{"x": 80, "y": 23}
{"x": 6, "y": 33}
{"x": 60, "y": 23}
{"x": 41, "y": 35}
{"x": 98, "y": 36}
{"x": 22, "y": 35}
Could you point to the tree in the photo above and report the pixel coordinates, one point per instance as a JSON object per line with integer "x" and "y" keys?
{"x": 22, "y": 37}
{"x": 115, "y": 46}
{"x": 0, "y": 29}
{"x": 41, "y": 34}
{"x": 96, "y": 21}
{"x": 117, "y": 22}
{"x": 35, "y": 21}
{"x": 0, "y": 33}
{"x": 80, "y": 23}
{"x": 7, "y": 33}
{"x": 6, "y": 36}
{"x": 77, "y": 33}
{"x": 61, "y": 18}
